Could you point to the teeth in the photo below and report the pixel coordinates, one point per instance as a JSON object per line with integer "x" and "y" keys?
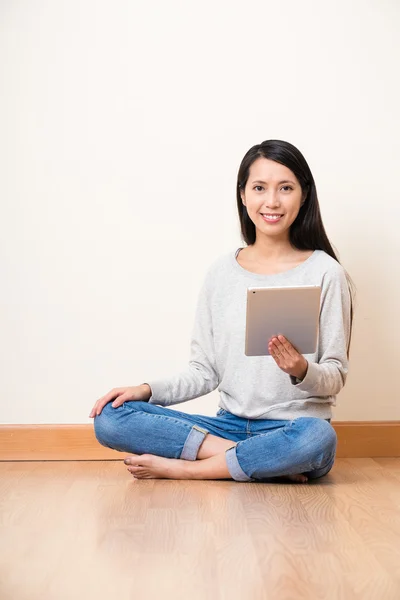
{"x": 272, "y": 216}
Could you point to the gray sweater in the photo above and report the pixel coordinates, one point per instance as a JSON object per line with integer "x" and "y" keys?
{"x": 254, "y": 387}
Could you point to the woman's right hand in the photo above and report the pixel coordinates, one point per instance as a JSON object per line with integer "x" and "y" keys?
{"x": 121, "y": 395}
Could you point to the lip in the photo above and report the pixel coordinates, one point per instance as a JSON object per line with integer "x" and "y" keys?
{"x": 271, "y": 220}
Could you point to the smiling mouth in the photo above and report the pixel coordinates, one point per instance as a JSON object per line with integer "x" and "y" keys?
{"x": 271, "y": 217}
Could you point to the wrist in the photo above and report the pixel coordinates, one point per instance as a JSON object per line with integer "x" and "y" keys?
{"x": 302, "y": 371}
{"x": 147, "y": 392}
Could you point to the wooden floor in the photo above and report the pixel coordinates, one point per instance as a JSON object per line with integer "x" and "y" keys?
{"x": 86, "y": 530}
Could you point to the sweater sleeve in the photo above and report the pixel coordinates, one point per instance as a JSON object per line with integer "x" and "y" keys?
{"x": 200, "y": 376}
{"x": 328, "y": 376}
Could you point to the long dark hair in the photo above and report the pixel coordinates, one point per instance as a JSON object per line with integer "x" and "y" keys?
{"x": 307, "y": 231}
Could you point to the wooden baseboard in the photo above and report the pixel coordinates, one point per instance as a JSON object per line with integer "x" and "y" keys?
{"x": 356, "y": 439}
{"x": 52, "y": 442}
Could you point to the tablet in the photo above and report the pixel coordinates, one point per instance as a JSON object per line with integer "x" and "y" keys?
{"x": 289, "y": 311}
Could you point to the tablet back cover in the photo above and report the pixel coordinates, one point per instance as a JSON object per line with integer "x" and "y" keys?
{"x": 289, "y": 311}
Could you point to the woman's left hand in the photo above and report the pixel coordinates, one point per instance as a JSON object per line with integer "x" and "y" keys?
{"x": 287, "y": 358}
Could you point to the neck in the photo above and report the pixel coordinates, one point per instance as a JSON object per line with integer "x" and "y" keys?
{"x": 272, "y": 249}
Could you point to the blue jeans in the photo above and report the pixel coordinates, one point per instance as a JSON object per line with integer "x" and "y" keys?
{"x": 265, "y": 448}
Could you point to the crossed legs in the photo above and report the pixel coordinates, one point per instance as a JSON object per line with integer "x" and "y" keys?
{"x": 211, "y": 464}
{"x": 165, "y": 443}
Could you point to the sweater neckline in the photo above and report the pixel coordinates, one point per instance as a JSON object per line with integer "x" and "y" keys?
{"x": 267, "y": 277}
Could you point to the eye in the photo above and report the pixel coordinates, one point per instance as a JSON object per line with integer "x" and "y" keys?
{"x": 258, "y": 186}
{"x": 287, "y": 186}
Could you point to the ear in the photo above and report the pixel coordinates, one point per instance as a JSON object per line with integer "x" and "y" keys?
{"x": 304, "y": 197}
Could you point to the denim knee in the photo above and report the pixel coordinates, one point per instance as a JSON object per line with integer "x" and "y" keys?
{"x": 323, "y": 438}
{"x": 106, "y": 427}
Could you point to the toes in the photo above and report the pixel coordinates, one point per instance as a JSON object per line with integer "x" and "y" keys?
{"x": 135, "y": 469}
{"x": 132, "y": 459}
{"x": 299, "y": 478}
{"x": 136, "y": 459}
{"x": 140, "y": 473}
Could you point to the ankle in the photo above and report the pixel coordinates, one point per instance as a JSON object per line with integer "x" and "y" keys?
{"x": 213, "y": 446}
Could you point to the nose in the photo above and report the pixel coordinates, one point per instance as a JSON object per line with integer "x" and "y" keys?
{"x": 272, "y": 200}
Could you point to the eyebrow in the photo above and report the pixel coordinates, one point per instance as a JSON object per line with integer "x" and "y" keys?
{"x": 279, "y": 183}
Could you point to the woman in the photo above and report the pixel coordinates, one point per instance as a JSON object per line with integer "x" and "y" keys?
{"x": 275, "y": 411}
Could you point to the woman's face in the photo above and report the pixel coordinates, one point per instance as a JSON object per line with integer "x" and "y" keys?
{"x": 272, "y": 189}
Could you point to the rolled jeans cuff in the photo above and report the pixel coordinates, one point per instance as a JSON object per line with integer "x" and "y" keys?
{"x": 234, "y": 468}
{"x": 193, "y": 443}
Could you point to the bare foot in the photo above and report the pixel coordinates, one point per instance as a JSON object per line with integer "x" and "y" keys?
{"x": 149, "y": 466}
{"x": 298, "y": 478}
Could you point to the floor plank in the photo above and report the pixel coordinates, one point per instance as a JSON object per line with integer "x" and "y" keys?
{"x": 71, "y": 530}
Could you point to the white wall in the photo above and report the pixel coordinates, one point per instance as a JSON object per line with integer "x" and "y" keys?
{"x": 123, "y": 125}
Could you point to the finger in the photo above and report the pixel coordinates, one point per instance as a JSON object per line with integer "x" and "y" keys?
{"x": 274, "y": 352}
{"x": 274, "y": 345}
{"x": 271, "y": 348}
{"x": 283, "y": 345}
{"x": 93, "y": 412}
{"x": 280, "y": 341}
{"x": 120, "y": 400}
{"x": 100, "y": 404}
{"x": 272, "y": 342}
{"x": 289, "y": 348}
